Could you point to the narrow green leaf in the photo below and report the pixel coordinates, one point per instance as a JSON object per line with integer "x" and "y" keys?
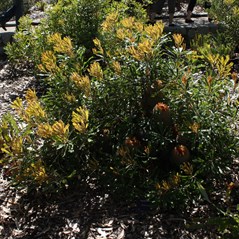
{"x": 203, "y": 192}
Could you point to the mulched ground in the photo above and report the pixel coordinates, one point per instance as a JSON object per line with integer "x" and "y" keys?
{"x": 89, "y": 213}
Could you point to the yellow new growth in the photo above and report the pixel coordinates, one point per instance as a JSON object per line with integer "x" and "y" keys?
{"x": 235, "y": 10}
{"x": 110, "y": 21}
{"x": 194, "y": 127}
{"x": 124, "y": 34}
{"x": 83, "y": 82}
{"x": 165, "y": 186}
{"x": 228, "y": 2}
{"x": 60, "y": 130}
{"x": 212, "y": 59}
{"x": 48, "y": 62}
{"x": 95, "y": 70}
{"x": 34, "y": 110}
{"x": 61, "y": 45}
{"x": 16, "y": 146}
{"x": 80, "y": 119}
{"x": 98, "y": 46}
{"x": 37, "y": 171}
{"x": 224, "y": 66}
{"x": 178, "y": 40}
{"x": 31, "y": 96}
{"x": 145, "y": 47}
{"x": 69, "y": 97}
{"x": 155, "y": 31}
{"x": 44, "y": 130}
{"x": 117, "y": 67}
{"x": 220, "y": 63}
{"x": 139, "y": 27}
{"x": 128, "y": 22}
{"x": 187, "y": 168}
{"x": 18, "y": 106}
{"x": 143, "y": 51}
{"x": 176, "y": 179}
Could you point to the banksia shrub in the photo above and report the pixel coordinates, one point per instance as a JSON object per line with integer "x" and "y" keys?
{"x": 139, "y": 114}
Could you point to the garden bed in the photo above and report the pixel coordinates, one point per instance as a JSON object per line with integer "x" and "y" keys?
{"x": 91, "y": 209}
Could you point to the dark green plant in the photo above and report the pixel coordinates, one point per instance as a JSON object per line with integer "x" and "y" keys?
{"x": 78, "y": 20}
{"x": 5, "y": 5}
{"x": 226, "y": 14}
{"x": 215, "y": 43}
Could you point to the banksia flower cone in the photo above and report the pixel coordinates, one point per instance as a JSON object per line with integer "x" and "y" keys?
{"x": 162, "y": 113}
{"x": 180, "y": 154}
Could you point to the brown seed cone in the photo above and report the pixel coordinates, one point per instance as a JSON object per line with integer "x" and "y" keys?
{"x": 151, "y": 96}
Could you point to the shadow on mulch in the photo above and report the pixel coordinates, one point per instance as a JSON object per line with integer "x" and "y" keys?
{"x": 87, "y": 213}
{"x": 76, "y": 213}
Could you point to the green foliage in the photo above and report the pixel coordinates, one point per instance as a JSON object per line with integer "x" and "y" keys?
{"x": 26, "y": 3}
{"x": 226, "y": 12}
{"x": 78, "y": 20}
{"x": 213, "y": 43}
{"x": 26, "y": 49}
{"x": 5, "y": 5}
{"x": 226, "y": 223}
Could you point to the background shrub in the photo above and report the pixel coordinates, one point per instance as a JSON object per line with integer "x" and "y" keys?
{"x": 226, "y": 14}
{"x": 5, "y": 5}
{"x": 76, "y": 19}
